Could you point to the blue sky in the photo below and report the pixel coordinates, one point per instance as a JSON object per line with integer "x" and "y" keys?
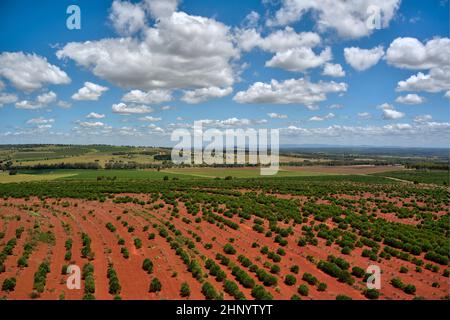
{"x": 148, "y": 67}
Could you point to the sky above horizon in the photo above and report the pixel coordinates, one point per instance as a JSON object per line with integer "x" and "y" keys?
{"x": 355, "y": 72}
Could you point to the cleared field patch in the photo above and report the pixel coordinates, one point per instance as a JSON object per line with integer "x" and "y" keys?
{"x": 6, "y": 178}
{"x": 240, "y": 172}
{"x": 362, "y": 169}
{"x": 120, "y": 174}
{"x": 81, "y": 174}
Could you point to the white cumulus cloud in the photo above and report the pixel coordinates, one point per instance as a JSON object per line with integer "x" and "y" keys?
{"x": 410, "y": 98}
{"x": 349, "y": 18}
{"x": 363, "y": 59}
{"x": 90, "y": 91}
{"x": 28, "y": 72}
{"x": 149, "y": 97}
{"x": 94, "y": 115}
{"x": 204, "y": 94}
{"x": 291, "y": 91}
{"x": 333, "y": 70}
{"x": 122, "y": 108}
{"x": 410, "y": 53}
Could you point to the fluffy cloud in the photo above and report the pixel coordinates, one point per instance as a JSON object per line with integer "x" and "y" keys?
{"x": 180, "y": 51}
{"x": 427, "y": 133}
{"x": 299, "y": 59}
{"x": 94, "y": 115}
{"x": 126, "y": 17}
{"x": 7, "y": 98}
{"x": 64, "y": 104}
{"x": 410, "y": 98}
{"x": 203, "y": 94}
{"x": 298, "y": 91}
{"x": 333, "y": 70}
{"x": 27, "y": 104}
{"x": 389, "y": 113}
{"x": 150, "y": 97}
{"x": 122, "y": 108}
{"x": 363, "y": 59}
{"x": 322, "y": 118}
{"x": 277, "y": 41}
{"x": 364, "y": 115}
{"x": 447, "y": 95}
{"x": 150, "y": 119}
{"x": 228, "y": 123}
{"x": 90, "y": 91}
{"x": 293, "y": 51}
{"x": 410, "y": 53}
{"x": 274, "y": 115}
{"x": 155, "y": 129}
{"x": 92, "y": 125}
{"x": 437, "y": 80}
{"x": 46, "y": 98}
{"x": 40, "y": 121}
{"x": 161, "y": 8}
{"x": 42, "y": 100}
{"x": 28, "y": 72}
{"x": 251, "y": 20}
{"x": 423, "y": 118}
{"x": 349, "y": 18}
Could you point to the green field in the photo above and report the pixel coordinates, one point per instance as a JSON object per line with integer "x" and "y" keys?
{"x": 80, "y": 174}
{"x": 185, "y": 173}
{"x": 440, "y": 177}
{"x": 238, "y": 172}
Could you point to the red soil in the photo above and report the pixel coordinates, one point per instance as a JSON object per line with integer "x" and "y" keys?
{"x": 168, "y": 267}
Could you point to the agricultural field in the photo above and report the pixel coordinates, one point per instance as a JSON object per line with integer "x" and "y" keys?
{"x": 185, "y": 173}
{"x": 300, "y": 237}
{"x": 38, "y": 155}
{"x": 440, "y": 177}
{"x": 247, "y": 172}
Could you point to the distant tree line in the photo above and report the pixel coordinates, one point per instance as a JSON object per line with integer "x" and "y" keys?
{"x": 62, "y": 165}
{"x": 428, "y": 166}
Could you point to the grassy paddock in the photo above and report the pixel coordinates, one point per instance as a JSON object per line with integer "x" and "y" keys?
{"x": 239, "y": 172}
{"x": 440, "y": 177}
{"x": 6, "y": 178}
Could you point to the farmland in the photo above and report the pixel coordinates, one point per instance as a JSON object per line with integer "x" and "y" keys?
{"x": 202, "y": 237}
{"x": 440, "y": 177}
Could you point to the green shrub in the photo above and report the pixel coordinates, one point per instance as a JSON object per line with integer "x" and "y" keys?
{"x": 259, "y": 293}
{"x": 309, "y": 278}
{"x": 9, "y": 284}
{"x": 409, "y": 289}
{"x": 303, "y": 290}
{"x": 290, "y": 280}
{"x": 185, "y": 291}
{"x": 358, "y": 272}
{"x": 322, "y": 287}
{"x": 372, "y": 294}
{"x": 229, "y": 249}
{"x": 155, "y": 285}
{"x": 232, "y": 289}
{"x": 343, "y": 297}
{"x": 138, "y": 243}
{"x": 209, "y": 291}
{"x": 397, "y": 283}
{"x": 147, "y": 265}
